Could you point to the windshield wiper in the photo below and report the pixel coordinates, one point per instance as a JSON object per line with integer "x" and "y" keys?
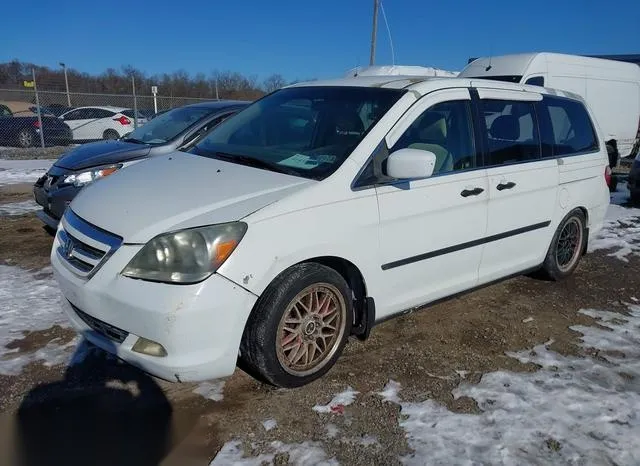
{"x": 256, "y": 163}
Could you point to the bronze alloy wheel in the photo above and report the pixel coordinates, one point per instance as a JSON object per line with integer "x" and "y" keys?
{"x": 311, "y": 329}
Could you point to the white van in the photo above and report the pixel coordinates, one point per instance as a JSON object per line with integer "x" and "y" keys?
{"x": 611, "y": 88}
{"x": 323, "y": 209}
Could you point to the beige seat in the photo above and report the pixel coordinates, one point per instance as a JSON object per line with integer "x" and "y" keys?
{"x": 432, "y": 137}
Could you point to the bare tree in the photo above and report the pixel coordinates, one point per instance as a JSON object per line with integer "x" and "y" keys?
{"x": 273, "y": 82}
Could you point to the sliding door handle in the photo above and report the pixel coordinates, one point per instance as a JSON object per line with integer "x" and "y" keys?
{"x": 471, "y": 192}
{"x": 503, "y": 186}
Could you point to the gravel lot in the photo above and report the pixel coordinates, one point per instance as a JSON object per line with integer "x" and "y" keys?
{"x": 17, "y": 153}
{"x": 496, "y": 376}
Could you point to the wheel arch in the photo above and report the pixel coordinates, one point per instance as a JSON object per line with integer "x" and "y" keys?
{"x": 585, "y": 212}
{"x": 363, "y": 305}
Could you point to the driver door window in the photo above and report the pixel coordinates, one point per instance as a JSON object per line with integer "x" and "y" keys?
{"x": 74, "y": 115}
{"x": 446, "y": 130}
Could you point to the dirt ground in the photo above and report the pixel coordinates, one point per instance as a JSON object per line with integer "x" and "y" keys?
{"x": 101, "y": 411}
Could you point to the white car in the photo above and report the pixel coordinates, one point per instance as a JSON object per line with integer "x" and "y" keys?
{"x": 93, "y": 123}
{"x": 322, "y": 210}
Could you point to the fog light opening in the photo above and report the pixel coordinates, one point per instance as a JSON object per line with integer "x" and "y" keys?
{"x": 149, "y": 347}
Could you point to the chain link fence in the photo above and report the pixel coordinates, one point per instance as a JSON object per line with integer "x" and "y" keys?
{"x": 37, "y": 117}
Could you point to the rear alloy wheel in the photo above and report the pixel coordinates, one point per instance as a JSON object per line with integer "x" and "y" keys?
{"x": 298, "y": 327}
{"x": 566, "y": 247}
{"x": 110, "y": 134}
{"x": 569, "y": 244}
{"x": 26, "y": 138}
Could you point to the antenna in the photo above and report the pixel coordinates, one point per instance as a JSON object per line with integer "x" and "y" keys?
{"x": 384, "y": 16}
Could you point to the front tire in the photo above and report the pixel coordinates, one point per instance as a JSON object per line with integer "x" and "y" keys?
{"x": 566, "y": 247}
{"x": 298, "y": 327}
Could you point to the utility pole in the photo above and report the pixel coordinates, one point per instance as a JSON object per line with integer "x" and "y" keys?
{"x": 374, "y": 31}
{"x": 35, "y": 88}
{"x": 135, "y": 102}
{"x": 66, "y": 83}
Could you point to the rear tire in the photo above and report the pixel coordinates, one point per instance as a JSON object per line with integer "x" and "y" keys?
{"x": 26, "y": 138}
{"x": 110, "y": 134}
{"x": 566, "y": 247}
{"x": 298, "y": 328}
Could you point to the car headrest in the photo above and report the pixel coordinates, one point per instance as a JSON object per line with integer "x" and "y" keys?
{"x": 506, "y": 127}
{"x": 348, "y": 122}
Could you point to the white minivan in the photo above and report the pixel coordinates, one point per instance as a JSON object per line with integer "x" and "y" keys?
{"x": 321, "y": 210}
{"x": 611, "y": 88}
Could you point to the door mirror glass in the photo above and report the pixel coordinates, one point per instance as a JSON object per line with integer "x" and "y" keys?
{"x": 411, "y": 163}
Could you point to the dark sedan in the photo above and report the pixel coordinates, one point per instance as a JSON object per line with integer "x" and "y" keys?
{"x": 24, "y": 131}
{"x": 177, "y": 129}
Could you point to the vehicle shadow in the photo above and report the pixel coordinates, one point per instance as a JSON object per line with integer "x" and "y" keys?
{"x": 104, "y": 412}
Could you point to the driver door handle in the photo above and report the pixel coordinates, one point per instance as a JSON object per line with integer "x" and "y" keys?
{"x": 503, "y": 186}
{"x": 471, "y": 192}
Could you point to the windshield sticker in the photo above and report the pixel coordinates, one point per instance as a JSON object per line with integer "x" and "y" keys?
{"x": 307, "y": 162}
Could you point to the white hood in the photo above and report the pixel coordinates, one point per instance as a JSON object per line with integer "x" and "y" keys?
{"x": 177, "y": 191}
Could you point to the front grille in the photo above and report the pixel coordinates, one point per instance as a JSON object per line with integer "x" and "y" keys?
{"x": 103, "y": 328}
{"x": 83, "y": 247}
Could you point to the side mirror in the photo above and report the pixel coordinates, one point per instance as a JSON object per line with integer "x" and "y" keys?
{"x": 411, "y": 163}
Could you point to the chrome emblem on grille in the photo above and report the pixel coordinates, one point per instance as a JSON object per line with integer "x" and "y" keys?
{"x": 67, "y": 248}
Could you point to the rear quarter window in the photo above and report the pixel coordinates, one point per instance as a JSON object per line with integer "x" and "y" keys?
{"x": 569, "y": 130}
{"x": 100, "y": 113}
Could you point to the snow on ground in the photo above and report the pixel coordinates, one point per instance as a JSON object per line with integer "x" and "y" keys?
{"x": 571, "y": 411}
{"x": 269, "y": 424}
{"x": 297, "y": 454}
{"x": 621, "y": 230}
{"x": 18, "y": 208}
{"x": 22, "y": 171}
{"x": 210, "y": 390}
{"x": 390, "y": 392}
{"x": 30, "y": 301}
{"x": 339, "y": 401}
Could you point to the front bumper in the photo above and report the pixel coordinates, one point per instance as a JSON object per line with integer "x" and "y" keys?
{"x": 54, "y": 202}
{"x": 200, "y": 325}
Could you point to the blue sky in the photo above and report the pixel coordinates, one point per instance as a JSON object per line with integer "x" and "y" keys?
{"x": 305, "y": 39}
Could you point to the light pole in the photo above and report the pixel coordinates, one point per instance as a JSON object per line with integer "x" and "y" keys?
{"x": 66, "y": 83}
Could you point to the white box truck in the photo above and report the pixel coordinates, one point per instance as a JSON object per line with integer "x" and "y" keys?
{"x": 611, "y": 88}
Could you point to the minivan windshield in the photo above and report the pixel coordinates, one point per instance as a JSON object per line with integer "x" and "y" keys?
{"x": 302, "y": 131}
{"x": 167, "y": 126}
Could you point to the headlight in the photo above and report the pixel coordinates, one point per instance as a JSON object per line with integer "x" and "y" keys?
{"x": 81, "y": 179}
{"x": 186, "y": 256}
